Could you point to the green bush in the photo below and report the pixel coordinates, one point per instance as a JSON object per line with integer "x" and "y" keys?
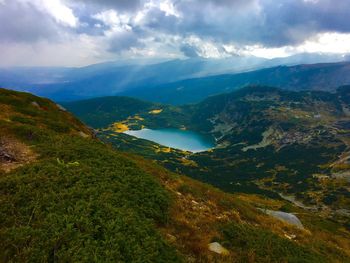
{"x": 264, "y": 246}
{"x": 81, "y": 202}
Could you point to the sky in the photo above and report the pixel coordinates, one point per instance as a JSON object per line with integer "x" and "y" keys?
{"x": 82, "y": 32}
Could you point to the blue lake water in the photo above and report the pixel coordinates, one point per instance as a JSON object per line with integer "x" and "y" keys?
{"x": 174, "y": 138}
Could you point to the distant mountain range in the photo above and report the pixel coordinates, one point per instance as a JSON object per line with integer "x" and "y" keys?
{"x": 325, "y": 77}
{"x": 167, "y": 78}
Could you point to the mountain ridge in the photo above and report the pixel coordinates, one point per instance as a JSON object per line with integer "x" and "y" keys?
{"x": 323, "y": 76}
{"x": 112, "y": 78}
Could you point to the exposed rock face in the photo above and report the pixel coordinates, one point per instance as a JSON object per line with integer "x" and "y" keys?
{"x": 217, "y": 248}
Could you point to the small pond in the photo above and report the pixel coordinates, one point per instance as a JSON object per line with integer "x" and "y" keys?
{"x": 175, "y": 138}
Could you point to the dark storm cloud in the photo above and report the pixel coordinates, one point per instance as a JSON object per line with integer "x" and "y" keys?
{"x": 266, "y": 22}
{"x": 293, "y": 21}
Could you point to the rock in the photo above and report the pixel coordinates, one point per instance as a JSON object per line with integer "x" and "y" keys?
{"x": 84, "y": 135}
{"x": 285, "y": 217}
{"x": 171, "y": 238}
{"x": 93, "y": 132}
{"x": 217, "y": 248}
{"x": 290, "y": 237}
{"x": 6, "y": 157}
{"x": 35, "y": 104}
{"x": 61, "y": 107}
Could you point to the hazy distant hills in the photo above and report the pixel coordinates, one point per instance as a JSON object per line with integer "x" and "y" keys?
{"x": 326, "y": 77}
{"x": 188, "y": 80}
{"x": 114, "y": 77}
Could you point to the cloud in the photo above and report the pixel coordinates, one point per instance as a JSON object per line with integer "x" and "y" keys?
{"x": 265, "y": 22}
{"x": 119, "y": 32}
{"x": 60, "y": 12}
{"x": 121, "y": 5}
{"x": 75, "y": 51}
{"x": 189, "y": 51}
{"x": 174, "y": 28}
{"x": 20, "y": 22}
{"x": 123, "y": 40}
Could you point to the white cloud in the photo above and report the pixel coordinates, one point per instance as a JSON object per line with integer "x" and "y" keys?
{"x": 327, "y": 43}
{"x": 264, "y": 52}
{"x": 114, "y": 20}
{"x": 205, "y": 49}
{"x": 168, "y": 8}
{"x": 57, "y": 9}
{"x": 331, "y": 43}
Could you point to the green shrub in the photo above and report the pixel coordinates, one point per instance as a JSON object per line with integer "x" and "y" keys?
{"x": 102, "y": 208}
{"x": 264, "y": 246}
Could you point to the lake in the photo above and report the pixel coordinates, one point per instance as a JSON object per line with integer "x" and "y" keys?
{"x": 178, "y": 139}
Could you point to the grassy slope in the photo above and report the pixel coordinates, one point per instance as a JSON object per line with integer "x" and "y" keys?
{"x": 82, "y": 201}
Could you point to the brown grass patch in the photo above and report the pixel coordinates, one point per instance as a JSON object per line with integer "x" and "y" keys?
{"x": 14, "y": 153}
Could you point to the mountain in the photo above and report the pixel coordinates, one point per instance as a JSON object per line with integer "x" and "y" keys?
{"x": 326, "y": 77}
{"x": 67, "y": 196}
{"x": 112, "y": 78}
{"x": 279, "y": 143}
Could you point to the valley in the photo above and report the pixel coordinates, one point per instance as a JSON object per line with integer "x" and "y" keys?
{"x": 281, "y": 144}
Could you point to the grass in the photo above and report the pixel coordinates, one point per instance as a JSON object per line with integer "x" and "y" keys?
{"x": 81, "y": 201}
{"x": 253, "y": 244}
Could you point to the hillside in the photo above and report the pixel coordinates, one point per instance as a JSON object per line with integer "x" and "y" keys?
{"x": 66, "y": 196}
{"x": 101, "y": 112}
{"x": 324, "y": 77}
{"x": 282, "y": 144}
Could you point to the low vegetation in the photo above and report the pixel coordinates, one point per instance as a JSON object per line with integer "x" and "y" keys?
{"x": 79, "y": 200}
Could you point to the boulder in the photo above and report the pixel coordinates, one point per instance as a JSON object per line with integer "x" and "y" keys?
{"x": 217, "y": 248}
